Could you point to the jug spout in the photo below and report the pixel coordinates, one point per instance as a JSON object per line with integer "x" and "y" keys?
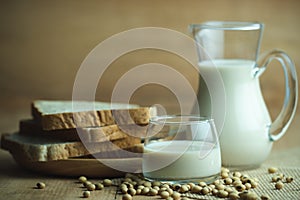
{"x": 211, "y": 37}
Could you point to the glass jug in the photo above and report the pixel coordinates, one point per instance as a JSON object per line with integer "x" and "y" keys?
{"x": 232, "y": 48}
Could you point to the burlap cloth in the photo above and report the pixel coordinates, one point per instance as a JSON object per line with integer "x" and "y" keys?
{"x": 266, "y": 186}
{"x": 288, "y": 163}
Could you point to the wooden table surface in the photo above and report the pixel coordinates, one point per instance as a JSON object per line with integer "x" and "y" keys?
{"x": 18, "y": 183}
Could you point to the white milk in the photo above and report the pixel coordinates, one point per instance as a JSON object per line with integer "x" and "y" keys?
{"x": 244, "y": 140}
{"x": 180, "y": 160}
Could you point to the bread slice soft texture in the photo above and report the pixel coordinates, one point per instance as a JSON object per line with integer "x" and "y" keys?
{"x": 130, "y": 152}
{"x": 55, "y": 115}
{"x": 36, "y": 148}
{"x": 93, "y": 134}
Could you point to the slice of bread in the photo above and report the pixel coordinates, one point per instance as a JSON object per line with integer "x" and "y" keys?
{"x": 55, "y": 115}
{"x": 95, "y": 134}
{"x": 37, "y": 148}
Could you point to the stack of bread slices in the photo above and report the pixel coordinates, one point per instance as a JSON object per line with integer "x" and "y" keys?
{"x": 62, "y": 130}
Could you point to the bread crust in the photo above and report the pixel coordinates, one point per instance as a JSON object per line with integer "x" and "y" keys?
{"x": 34, "y": 148}
{"x": 67, "y": 119}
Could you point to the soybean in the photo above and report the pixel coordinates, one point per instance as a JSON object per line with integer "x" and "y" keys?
{"x": 205, "y": 191}
{"x": 126, "y": 197}
{"x": 276, "y": 178}
{"x": 279, "y": 185}
{"x": 87, "y": 183}
{"x": 90, "y": 187}
{"x": 156, "y": 188}
{"x": 281, "y": 176}
{"x": 86, "y": 194}
{"x": 228, "y": 181}
{"x": 170, "y": 191}
{"x": 164, "y": 194}
{"x": 41, "y": 185}
{"x": 228, "y": 189}
{"x": 272, "y": 170}
{"x": 223, "y": 169}
{"x": 82, "y": 179}
{"x": 203, "y": 184}
{"x": 145, "y": 190}
{"x": 147, "y": 184}
{"x": 237, "y": 174}
{"x": 176, "y": 195}
{"x": 138, "y": 191}
{"x": 233, "y": 196}
{"x": 183, "y": 189}
{"x": 248, "y": 186}
{"x": 289, "y": 179}
{"x": 222, "y": 194}
{"x": 124, "y": 190}
{"x": 131, "y": 191}
{"x": 153, "y": 192}
{"x": 224, "y": 175}
{"x": 191, "y": 185}
{"x": 140, "y": 187}
{"x": 99, "y": 186}
{"x": 107, "y": 182}
{"x": 240, "y": 187}
{"x": 196, "y": 189}
{"x": 214, "y": 191}
{"x": 248, "y": 196}
{"x": 162, "y": 189}
{"x": 212, "y": 186}
{"x": 254, "y": 184}
{"x": 176, "y": 186}
{"x": 156, "y": 183}
{"x": 165, "y": 185}
{"x": 127, "y": 184}
{"x": 220, "y": 187}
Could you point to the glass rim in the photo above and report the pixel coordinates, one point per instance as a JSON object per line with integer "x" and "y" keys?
{"x": 179, "y": 119}
{"x": 229, "y": 25}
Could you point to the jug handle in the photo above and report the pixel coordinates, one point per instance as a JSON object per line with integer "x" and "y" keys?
{"x": 278, "y": 128}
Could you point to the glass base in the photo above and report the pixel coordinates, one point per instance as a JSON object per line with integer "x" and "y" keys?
{"x": 233, "y": 168}
{"x": 207, "y": 179}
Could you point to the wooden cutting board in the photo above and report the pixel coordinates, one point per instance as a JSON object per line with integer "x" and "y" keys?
{"x": 104, "y": 168}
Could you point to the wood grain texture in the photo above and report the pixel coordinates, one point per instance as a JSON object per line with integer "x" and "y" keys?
{"x": 102, "y": 168}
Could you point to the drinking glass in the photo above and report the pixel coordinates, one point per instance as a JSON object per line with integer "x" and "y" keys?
{"x": 181, "y": 149}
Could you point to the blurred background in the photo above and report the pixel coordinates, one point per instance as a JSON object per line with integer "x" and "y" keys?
{"x": 43, "y": 44}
